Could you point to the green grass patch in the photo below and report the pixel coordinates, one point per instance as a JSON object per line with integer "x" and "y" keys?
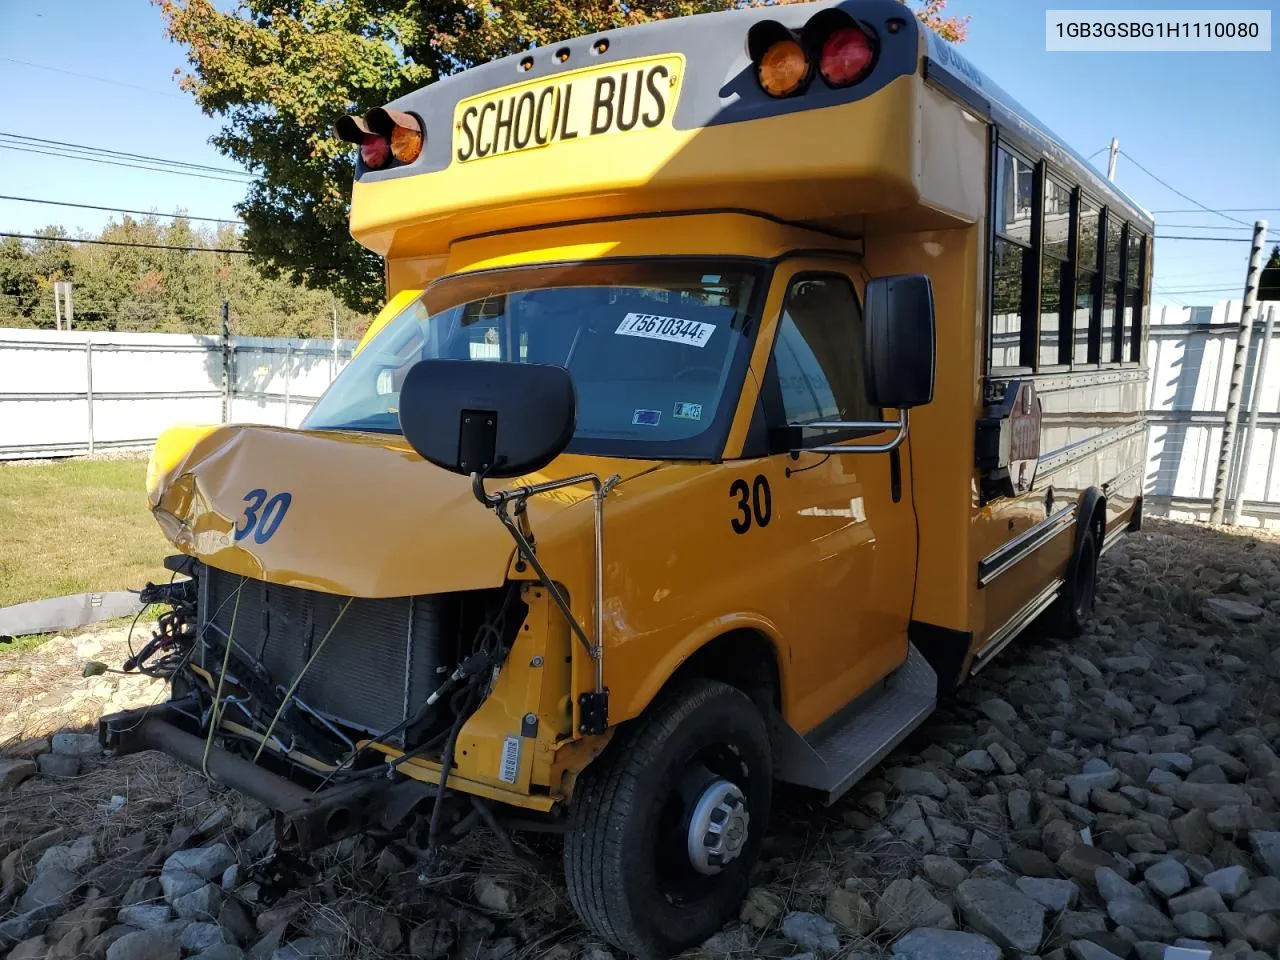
{"x": 76, "y": 526}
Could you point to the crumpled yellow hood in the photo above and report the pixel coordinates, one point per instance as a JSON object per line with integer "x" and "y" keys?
{"x": 363, "y": 514}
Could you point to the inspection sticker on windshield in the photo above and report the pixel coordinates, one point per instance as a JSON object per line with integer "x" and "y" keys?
{"x": 671, "y": 329}
{"x": 646, "y": 418}
{"x": 687, "y": 411}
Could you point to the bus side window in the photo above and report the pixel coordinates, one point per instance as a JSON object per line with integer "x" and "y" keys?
{"x": 818, "y": 352}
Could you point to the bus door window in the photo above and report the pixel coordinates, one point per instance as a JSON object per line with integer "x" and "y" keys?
{"x": 818, "y": 354}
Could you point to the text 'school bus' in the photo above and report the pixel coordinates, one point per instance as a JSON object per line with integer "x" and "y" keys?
{"x": 746, "y": 380}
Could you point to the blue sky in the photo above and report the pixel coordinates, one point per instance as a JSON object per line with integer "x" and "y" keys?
{"x": 1197, "y": 120}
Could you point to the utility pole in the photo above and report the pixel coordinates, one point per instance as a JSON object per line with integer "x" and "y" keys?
{"x": 70, "y": 309}
{"x": 57, "y": 304}
{"x": 62, "y": 306}
{"x": 1259, "y": 372}
{"x": 1111, "y": 161}
{"x": 1237, "y": 372}
{"x": 333, "y": 312}
{"x": 227, "y": 384}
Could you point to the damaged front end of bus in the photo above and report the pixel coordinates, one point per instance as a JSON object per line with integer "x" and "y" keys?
{"x": 346, "y": 672}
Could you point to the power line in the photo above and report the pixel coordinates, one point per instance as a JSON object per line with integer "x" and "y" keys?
{"x": 1219, "y": 239}
{"x": 118, "y": 163}
{"x": 104, "y": 151}
{"x": 118, "y": 243}
{"x": 142, "y": 213}
{"x": 1168, "y": 186}
{"x": 1182, "y": 290}
{"x": 89, "y": 76}
{"x": 1226, "y": 210}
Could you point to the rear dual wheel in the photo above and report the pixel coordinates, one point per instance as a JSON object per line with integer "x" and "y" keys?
{"x": 666, "y": 825}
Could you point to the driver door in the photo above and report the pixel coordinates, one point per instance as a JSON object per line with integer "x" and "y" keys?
{"x": 842, "y": 534}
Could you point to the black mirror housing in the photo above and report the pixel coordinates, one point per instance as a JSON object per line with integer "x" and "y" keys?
{"x": 901, "y": 341}
{"x": 499, "y": 419}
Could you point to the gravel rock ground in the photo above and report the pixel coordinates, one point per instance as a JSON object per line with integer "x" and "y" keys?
{"x": 1086, "y": 800}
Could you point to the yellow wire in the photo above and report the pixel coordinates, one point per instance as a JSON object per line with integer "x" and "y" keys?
{"x": 217, "y": 696}
{"x": 297, "y": 680}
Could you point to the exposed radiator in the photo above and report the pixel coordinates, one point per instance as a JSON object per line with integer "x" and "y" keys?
{"x": 377, "y": 667}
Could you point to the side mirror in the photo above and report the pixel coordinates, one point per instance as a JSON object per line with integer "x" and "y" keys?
{"x": 500, "y": 419}
{"x": 900, "y": 341}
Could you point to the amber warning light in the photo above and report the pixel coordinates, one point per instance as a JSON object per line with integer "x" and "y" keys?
{"x": 383, "y": 135}
{"x": 841, "y": 51}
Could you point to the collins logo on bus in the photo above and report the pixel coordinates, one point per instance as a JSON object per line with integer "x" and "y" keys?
{"x": 1008, "y": 440}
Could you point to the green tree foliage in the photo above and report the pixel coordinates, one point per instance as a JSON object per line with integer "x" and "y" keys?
{"x": 279, "y": 74}
{"x": 170, "y": 291}
{"x": 1274, "y": 260}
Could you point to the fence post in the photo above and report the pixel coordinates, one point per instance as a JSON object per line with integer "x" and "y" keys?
{"x": 88, "y": 388}
{"x": 288, "y": 363}
{"x": 1237, "y": 373}
{"x": 227, "y": 385}
{"x": 1259, "y": 371}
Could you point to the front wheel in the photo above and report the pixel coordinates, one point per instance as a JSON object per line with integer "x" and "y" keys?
{"x": 665, "y": 826}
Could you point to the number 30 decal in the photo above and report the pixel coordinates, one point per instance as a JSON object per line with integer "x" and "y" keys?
{"x": 262, "y": 513}
{"x": 754, "y": 502}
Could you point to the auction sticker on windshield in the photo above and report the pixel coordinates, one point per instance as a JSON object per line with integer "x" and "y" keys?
{"x": 620, "y": 98}
{"x": 694, "y": 333}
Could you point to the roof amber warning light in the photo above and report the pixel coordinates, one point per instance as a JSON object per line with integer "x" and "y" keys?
{"x": 783, "y": 69}
{"x": 784, "y": 59}
{"x": 383, "y": 135}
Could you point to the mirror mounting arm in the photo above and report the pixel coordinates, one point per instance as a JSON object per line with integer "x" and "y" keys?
{"x": 522, "y": 534}
{"x": 902, "y": 424}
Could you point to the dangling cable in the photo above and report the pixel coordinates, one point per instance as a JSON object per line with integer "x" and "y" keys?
{"x": 298, "y": 679}
{"x": 215, "y": 714}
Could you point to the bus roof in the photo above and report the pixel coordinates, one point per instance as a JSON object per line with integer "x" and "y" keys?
{"x": 949, "y": 69}
{"x": 500, "y": 154}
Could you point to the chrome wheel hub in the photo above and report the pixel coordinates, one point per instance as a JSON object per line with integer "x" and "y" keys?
{"x": 718, "y": 827}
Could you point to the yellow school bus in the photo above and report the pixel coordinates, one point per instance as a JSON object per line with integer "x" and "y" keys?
{"x": 746, "y": 381}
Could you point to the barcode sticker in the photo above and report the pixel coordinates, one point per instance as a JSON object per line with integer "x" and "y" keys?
{"x": 510, "y": 760}
{"x": 651, "y": 326}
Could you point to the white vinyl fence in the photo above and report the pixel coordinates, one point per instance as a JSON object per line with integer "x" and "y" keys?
{"x": 65, "y": 393}
{"x": 1190, "y": 354}
{"x": 80, "y": 392}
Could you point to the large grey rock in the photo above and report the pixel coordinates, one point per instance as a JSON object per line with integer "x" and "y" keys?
{"x": 198, "y": 937}
{"x": 1088, "y": 950}
{"x": 913, "y": 780}
{"x": 999, "y": 710}
{"x": 932, "y": 944}
{"x": 14, "y": 770}
{"x": 847, "y": 909}
{"x": 220, "y": 951}
{"x": 811, "y": 932}
{"x": 178, "y": 883}
{"x": 77, "y": 744}
{"x": 1081, "y": 785}
{"x": 58, "y": 765}
{"x": 1210, "y": 796}
{"x": 146, "y": 916}
{"x": 50, "y": 890}
{"x": 200, "y": 904}
{"x": 1142, "y": 918}
{"x": 1004, "y": 913}
{"x": 1082, "y": 862}
{"x": 1112, "y": 886}
{"x": 1201, "y": 898}
{"x": 1266, "y": 846}
{"x": 1167, "y": 878}
{"x": 976, "y": 761}
{"x": 1194, "y": 923}
{"x": 1263, "y": 898}
{"x": 1054, "y": 895}
{"x": 760, "y": 909}
{"x": 207, "y": 862}
{"x": 1230, "y": 882}
{"x": 146, "y": 945}
{"x": 1228, "y": 609}
{"x": 942, "y": 871}
{"x": 905, "y": 905}
{"x": 70, "y": 856}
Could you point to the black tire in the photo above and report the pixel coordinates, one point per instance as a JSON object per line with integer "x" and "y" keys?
{"x": 1074, "y": 606}
{"x": 621, "y": 852}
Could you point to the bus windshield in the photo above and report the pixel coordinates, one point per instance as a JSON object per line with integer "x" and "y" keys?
{"x": 657, "y": 348}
